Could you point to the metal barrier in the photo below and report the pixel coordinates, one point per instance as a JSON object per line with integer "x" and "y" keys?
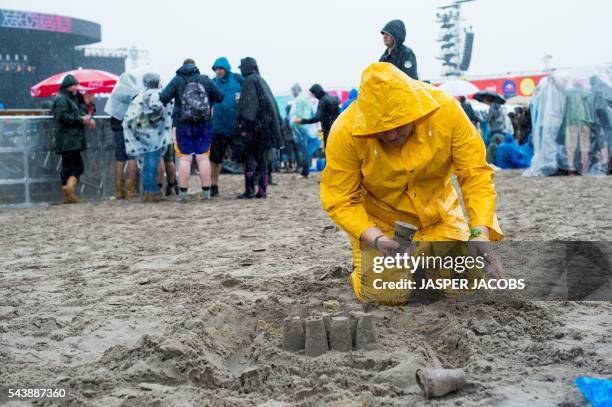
{"x": 30, "y": 168}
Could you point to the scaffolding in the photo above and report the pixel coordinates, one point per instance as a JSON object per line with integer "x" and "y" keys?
{"x": 455, "y": 40}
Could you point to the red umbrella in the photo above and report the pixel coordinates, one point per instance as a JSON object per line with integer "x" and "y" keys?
{"x": 90, "y": 80}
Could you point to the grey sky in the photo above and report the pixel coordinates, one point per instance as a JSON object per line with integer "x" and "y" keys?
{"x": 332, "y": 41}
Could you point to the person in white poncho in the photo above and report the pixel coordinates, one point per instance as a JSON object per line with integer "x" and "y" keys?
{"x": 147, "y": 127}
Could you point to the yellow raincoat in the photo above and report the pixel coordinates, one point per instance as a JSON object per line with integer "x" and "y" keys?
{"x": 366, "y": 183}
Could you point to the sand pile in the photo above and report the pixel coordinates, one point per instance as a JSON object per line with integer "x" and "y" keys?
{"x": 131, "y": 304}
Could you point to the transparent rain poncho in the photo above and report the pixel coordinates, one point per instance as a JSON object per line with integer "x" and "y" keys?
{"x": 147, "y": 125}
{"x": 128, "y": 86}
{"x": 571, "y": 123}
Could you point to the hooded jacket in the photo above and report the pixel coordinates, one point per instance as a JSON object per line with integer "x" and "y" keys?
{"x": 257, "y": 109}
{"x": 68, "y": 111}
{"x": 224, "y": 113}
{"x": 174, "y": 90}
{"x": 367, "y": 183}
{"x": 401, "y": 56}
{"x": 327, "y": 110}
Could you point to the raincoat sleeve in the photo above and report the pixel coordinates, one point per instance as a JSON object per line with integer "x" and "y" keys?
{"x": 473, "y": 173}
{"x": 342, "y": 193}
{"x": 168, "y": 92}
{"x": 317, "y": 117}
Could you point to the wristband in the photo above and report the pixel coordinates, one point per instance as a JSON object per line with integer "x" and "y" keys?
{"x": 475, "y": 232}
{"x": 376, "y": 242}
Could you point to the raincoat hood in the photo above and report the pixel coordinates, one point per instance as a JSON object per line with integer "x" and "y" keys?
{"x": 188, "y": 70}
{"x": 397, "y": 30}
{"x": 248, "y": 66}
{"x": 128, "y": 86}
{"x": 296, "y": 89}
{"x": 68, "y": 81}
{"x": 388, "y": 98}
{"x": 222, "y": 63}
{"x": 317, "y": 90}
{"x": 508, "y": 139}
{"x": 150, "y": 80}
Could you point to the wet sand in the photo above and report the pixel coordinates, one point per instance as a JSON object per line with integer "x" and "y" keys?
{"x": 130, "y": 304}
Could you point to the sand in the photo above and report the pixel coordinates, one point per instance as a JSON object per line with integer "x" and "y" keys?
{"x": 130, "y": 304}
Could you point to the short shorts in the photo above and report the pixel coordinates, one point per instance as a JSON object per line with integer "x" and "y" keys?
{"x": 193, "y": 139}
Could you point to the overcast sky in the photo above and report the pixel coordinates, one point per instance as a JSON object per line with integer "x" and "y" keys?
{"x": 332, "y": 41}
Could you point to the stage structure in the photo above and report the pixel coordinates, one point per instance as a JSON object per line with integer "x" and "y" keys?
{"x": 456, "y": 41}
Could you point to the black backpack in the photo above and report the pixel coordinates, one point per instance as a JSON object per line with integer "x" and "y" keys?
{"x": 195, "y": 107}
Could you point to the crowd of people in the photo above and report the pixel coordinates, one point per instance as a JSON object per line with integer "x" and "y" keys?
{"x": 195, "y": 118}
{"x": 507, "y": 136}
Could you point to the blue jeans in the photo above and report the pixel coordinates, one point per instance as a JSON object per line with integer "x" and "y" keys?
{"x": 302, "y": 140}
{"x": 149, "y": 171}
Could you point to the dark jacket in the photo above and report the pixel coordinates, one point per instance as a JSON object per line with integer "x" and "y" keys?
{"x": 68, "y": 111}
{"x": 258, "y": 112}
{"x": 174, "y": 90}
{"x": 224, "y": 113}
{"x": 327, "y": 109}
{"x": 401, "y": 56}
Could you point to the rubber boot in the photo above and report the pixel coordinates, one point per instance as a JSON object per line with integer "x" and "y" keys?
{"x": 70, "y": 191}
{"x": 249, "y": 186}
{"x": 262, "y": 188}
{"x": 119, "y": 192}
{"x": 130, "y": 186}
{"x": 67, "y": 196}
{"x": 271, "y": 180}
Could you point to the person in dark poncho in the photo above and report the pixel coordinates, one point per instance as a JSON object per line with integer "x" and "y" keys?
{"x": 259, "y": 126}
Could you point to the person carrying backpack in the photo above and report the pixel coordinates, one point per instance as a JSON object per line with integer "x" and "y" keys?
{"x": 193, "y": 96}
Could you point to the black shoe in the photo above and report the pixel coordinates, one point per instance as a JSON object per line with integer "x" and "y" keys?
{"x": 170, "y": 188}
{"x": 246, "y": 195}
{"x": 214, "y": 190}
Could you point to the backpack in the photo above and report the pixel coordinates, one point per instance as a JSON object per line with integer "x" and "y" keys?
{"x": 195, "y": 107}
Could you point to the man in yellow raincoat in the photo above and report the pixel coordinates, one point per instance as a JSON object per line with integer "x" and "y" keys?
{"x": 390, "y": 157}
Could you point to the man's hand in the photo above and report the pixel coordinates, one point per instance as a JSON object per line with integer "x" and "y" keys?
{"x": 297, "y": 120}
{"x": 479, "y": 245}
{"x": 89, "y": 122}
{"x": 376, "y": 239}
